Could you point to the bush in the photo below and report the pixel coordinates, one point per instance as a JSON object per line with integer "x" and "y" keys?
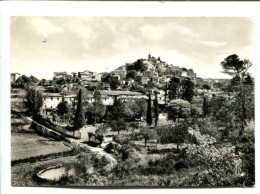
{"x": 121, "y": 139}
{"x": 109, "y": 148}
{"x": 219, "y": 163}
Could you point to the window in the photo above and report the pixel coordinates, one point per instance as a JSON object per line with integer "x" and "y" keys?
{"x": 58, "y": 98}
{"x": 51, "y": 98}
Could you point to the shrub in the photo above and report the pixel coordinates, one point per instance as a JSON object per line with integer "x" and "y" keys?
{"x": 121, "y": 139}
{"x": 219, "y": 163}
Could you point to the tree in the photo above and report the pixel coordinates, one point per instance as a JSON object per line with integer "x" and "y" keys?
{"x": 156, "y": 110}
{"x": 118, "y": 125}
{"x": 196, "y": 111}
{"x": 140, "y": 107}
{"x": 139, "y": 66}
{"x": 34, "y": 101}
{"x": 133, "y": 126}
{"x": 54, "y": 89}
{"x": 147, "y": 134}
{"x": 114, "y": 83}
{"x": 149, "y": 118}
{"x": 97, "y": 95}
{"x": 173, "y": 134}
{"x": 114, "y": 111}
{"x": 206, "y": 86}
{"x": 22, "y": 81}
{"x": 235, "y": 67}
{"x": 131, "y": 74}
{"x": 220, "y": 108}
{"x": 79, "y": 118}
{"x": 178, "y": 109}
{"x": 128, "y": 110}
{"x": 42, "y": 82}
{"x": 174, "y": 88}
{"x": 106, "y": 77}
{"x": 63, "y": 108}
{"x": 116, "y": 115}
{"x": 99, "y": 110}
{"x": 206, "y": 106}
{"x": 220, "y": 163}
{"x": 33, "y": 79}
{"x": 180, "y": 132}
{"x": 61, "y": 81}
{"x": 188, "y": 89}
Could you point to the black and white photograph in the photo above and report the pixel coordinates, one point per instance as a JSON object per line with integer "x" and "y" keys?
{"x": 132, "y": 101}
{"x": 100, "y": 97}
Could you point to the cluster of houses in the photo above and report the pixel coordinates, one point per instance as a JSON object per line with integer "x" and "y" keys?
{"x": 155, "y": 72}
{"x": 84, "y": 76}
{"x": 51, "y": 100}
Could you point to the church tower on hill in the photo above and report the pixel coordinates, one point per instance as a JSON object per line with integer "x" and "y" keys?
{"x": 149, "y": 56}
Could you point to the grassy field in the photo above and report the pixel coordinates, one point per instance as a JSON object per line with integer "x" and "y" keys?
{"x": 26, "y": 145}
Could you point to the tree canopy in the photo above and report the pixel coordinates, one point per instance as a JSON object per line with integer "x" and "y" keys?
{"x": 34, "y": 100}
{"x": 63, "y": 108}
{"x": 178, "y": 109}
{"x": 79, "y": 118}
{"x": 114, "y": 83}
{"x": 131, "y": 74}
{"x": 232, "y": 65}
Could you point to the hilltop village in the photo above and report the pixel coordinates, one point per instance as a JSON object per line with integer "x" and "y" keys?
{"x": 132, "y": 80}
{"x": 146, "y": 123}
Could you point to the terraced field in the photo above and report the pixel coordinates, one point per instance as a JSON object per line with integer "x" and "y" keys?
{"x": 26, "y": 145}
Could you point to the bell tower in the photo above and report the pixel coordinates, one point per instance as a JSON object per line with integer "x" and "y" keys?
{"x": 149, "y": 56}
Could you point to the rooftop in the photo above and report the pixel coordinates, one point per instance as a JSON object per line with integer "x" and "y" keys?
{"x": 118, "y": 92}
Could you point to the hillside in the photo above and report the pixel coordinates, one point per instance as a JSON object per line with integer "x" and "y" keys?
{"x": 155, "y": 67}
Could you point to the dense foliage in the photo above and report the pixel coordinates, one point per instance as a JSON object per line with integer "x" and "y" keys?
{"x": 79, "y": 119}
{"x": 149, "y": 118}
{"x": 156, "y": 110}
{"x": 178, "y": 109}
{"x": 34, "y": 100}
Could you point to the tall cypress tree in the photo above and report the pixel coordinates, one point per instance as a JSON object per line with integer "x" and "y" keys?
{"x": 206, "y": 107}
{"x": 188, "y": 90}
{"x": 79, "y": 119}
{"x": 149, "y": 118}
{"x": 156, "y": 110}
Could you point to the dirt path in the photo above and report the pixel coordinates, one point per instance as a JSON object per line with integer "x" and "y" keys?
{"x": 95, "y": 150}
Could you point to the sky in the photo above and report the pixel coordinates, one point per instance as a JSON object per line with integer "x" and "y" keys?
{"x": 104, "y": 43}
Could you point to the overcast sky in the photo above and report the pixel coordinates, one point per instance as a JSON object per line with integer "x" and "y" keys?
{"x": 103, "y": 43}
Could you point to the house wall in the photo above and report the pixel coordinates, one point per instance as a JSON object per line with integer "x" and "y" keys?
{"x": 69, "y": 99}
{"x": 145, "y": 80}
{"x": 51, "y": 101}
{"x": 14, "y": 76}
{"x": 107, "y": 100}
